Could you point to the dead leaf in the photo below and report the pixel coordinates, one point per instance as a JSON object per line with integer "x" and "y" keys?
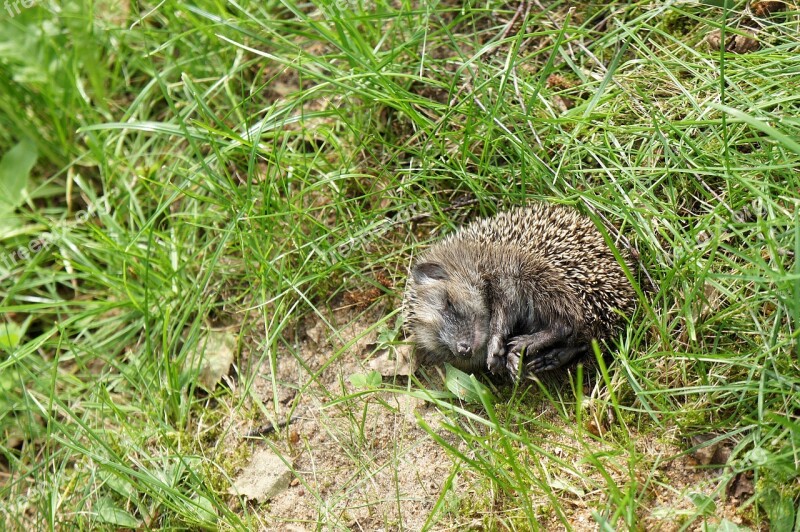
{"x": 316, "y": 333}
{"x": 742, "y": 486}
{"x": 403, "y": 363}
{"x": 711, "y": 301}
{"x": 216, "y": 350}
{"x": 735, "y": 43}
{"x": 559, "y": 82}
{"x": 361, "y": 298}
{"x": 766, "y": 8}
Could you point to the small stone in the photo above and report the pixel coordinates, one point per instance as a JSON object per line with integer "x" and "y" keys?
{"x": 721, "y": 455}
{"x": 263, "y": 478}
{"x": 712, "y": 454}
{"x": 704, "y": 454}
{"x": 563, "y": 104}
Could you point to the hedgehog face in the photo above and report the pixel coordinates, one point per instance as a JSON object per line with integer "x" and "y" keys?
{"x": 451, "y": 317}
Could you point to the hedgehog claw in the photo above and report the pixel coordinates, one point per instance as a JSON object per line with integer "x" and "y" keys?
{"x": 495, "y": 364}
{"x": 517, "y": 346}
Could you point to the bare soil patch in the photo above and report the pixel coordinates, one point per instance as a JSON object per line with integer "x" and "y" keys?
{"x": 364, "y": 462}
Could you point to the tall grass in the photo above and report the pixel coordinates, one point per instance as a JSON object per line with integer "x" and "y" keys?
{"x": 244, "y": 164}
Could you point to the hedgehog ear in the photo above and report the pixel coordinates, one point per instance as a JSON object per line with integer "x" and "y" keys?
{"x": 428, "y": 272}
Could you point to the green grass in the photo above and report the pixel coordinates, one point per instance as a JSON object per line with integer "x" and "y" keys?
{"x": 248, "y": 165}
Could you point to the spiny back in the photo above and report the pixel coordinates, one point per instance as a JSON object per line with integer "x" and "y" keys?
{"x": 549, "y": 229}
{"x": 568, "y": 242}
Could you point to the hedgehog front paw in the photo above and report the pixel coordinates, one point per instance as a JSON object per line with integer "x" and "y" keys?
{"x": 520, "y": 344}
{"x": 495, "y": 365}
{"x": 495, "y": 355}
{"x": 512, "y": 365}
{"x": 519, "y": 347}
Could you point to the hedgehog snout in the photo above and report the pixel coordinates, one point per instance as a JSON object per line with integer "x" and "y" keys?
{"x": 467, "y": 339}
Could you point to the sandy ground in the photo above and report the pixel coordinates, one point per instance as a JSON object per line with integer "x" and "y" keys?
{"x": 362, "y": 461}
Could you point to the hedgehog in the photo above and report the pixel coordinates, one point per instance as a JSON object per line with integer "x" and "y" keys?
{"x": 517, "y": 294}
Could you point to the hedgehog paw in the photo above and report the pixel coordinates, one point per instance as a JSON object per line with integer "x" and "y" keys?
{"x": 520, "y": 344}
{"x": 495, "y": 347}
{"x": 495, "y": 355}
{"x": 517, "y": 349}
{"x": 512, "y": 365}
{"x": 495, "y": 364}
{"x": 555, "y": 358}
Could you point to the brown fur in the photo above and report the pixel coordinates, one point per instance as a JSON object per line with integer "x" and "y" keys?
{"x": 537, "y": 282}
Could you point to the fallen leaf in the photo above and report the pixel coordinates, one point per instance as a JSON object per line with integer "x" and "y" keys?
{"x": 766, "y": 8}
{"x": 735, "y": 43}
{"x": 216, "y": 350}
{"x": 402, "y": 364}
{"x": 742, "y": 486}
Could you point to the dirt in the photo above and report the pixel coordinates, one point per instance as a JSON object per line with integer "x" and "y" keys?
{"x": 362, "y": 460}
{"x": 366, "y": 457}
